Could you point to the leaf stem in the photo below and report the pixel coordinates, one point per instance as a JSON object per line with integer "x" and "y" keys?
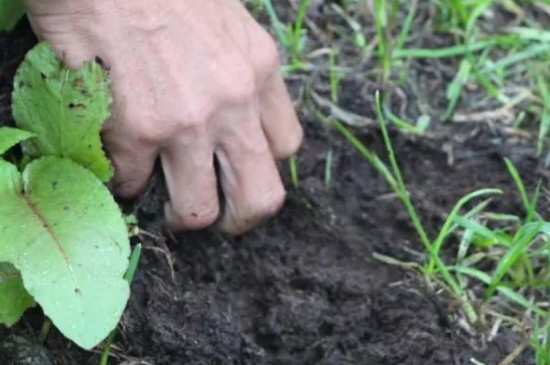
{"x": 45, "y": 330}
{"x": 129, "y": 276}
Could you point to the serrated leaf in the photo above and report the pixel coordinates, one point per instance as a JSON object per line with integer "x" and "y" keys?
{"x": 14, "y": 299}
{"x": 9, "y": 137}
{"x": 64, "y": 108}
{"x": 11, "y": 11}
{"x": 60, "y": 227}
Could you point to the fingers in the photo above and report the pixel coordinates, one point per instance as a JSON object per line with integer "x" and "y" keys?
{"x": 191, "y": 180}
{"x": 133, "y": 164}
{"x": 249, "y": 178}
{"x": 279, "y": 120}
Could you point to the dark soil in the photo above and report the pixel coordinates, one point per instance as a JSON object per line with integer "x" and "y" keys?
{"x": 303, "y": 288}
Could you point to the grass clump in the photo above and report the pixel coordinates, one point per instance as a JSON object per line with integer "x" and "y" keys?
{"x": 516, "y": 247}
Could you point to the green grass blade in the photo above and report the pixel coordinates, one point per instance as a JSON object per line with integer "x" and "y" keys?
{"x": 525, "y": 237}
{"x": 545, "y": 116}
{"x": 401, "y": 191}
{"x": 132, "y": 266}
{"x": 514, "y": 58}
{"x": 484, "y": 231}
{"x": 532, "y": 34}
{"x": 384, "y": 46}
{"x": 474, "y": 15}
{"x": 300, "y": 17}
{"x": 454, "y": 51}
{"x": 275, "y": 22}
{"x": 129, "y": 276}
{"x": 532, "y": 214}
{"x": 375, "y": 161}
{"x": 328, "y": 168}
{"x": 293, "y": 167}
{"x": 445, "y": 230}
{"x": 461, "y": 10}
{"x": 454, "y": 90}
{"x": 519, "y": 182}
{"x": 407, "y": 24}
{"x": 507, "y": 292}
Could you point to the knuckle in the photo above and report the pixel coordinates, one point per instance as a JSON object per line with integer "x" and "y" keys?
{"x": 148, "y": 134}
{"x": 240, "y": 87}
{"x": 143, "y": 129}
{"x": 267, "y": 56}
{"x": 194, "y": 120}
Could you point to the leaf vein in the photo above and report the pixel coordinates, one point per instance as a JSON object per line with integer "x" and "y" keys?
{"x": 51, "y": 232}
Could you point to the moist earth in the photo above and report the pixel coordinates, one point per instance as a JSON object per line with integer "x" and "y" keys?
{"x": 304, "y": 287}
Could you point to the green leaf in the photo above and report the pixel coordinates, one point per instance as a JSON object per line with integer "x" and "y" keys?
{"x": 11, "y": 11}
{"x": 454, "y": 90}
{"x": 9, "y": 137}
{"x": 14, "y": 299}
{"x": 61, "y": 228}
{"x": 64, "y": 108}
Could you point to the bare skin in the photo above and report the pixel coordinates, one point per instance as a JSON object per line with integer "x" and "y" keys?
{"x": 194, "y": 81}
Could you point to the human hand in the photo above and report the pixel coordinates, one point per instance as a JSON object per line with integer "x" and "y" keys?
{"x": 193, "y": 81}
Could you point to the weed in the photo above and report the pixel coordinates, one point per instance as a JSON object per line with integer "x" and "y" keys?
{"x": 293, "y": 36}
{"x": 335, "y": 77}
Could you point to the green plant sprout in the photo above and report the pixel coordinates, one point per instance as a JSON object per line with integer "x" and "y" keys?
{"x": 335, "y": 76}
{"x": 383, "y": 36}
{"x": 64, "y": 242}
{"x": 540, "y": 342}
{"x": 293, "y": 36}
{"x": 515, "y": 256}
